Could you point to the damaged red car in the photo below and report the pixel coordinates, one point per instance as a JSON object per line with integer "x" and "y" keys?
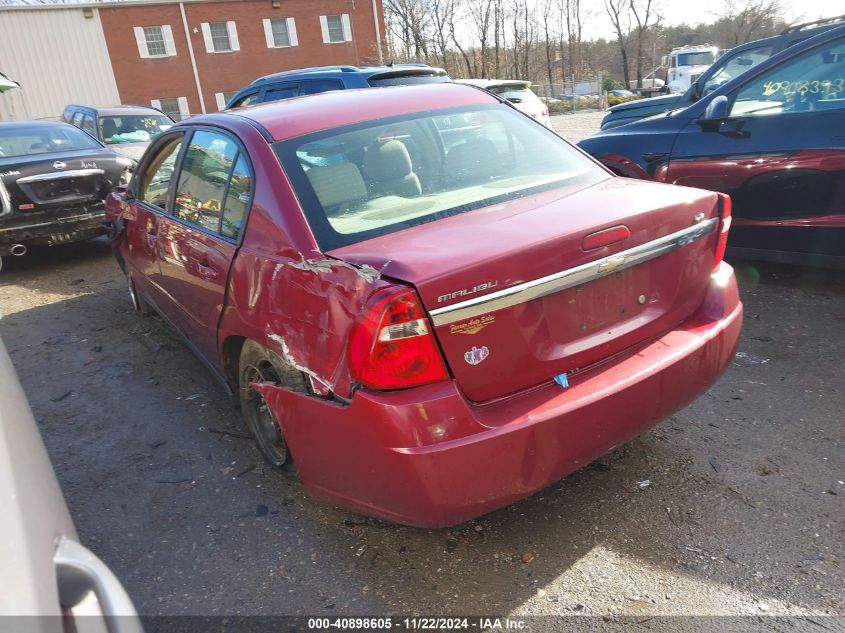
{"x": 429, "y": 304}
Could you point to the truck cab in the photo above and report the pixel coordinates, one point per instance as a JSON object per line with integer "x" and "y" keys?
{"x": 686, "y": 64}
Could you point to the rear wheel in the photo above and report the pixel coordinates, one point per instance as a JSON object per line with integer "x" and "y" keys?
{"x": 260, "y": 365}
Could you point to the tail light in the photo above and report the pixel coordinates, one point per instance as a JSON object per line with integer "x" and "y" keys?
{"x": 724, "y": 227}
{"x": 392, "y": 345}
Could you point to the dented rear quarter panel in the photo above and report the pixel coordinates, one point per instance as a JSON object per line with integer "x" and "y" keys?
{"x": 283, "y": 292}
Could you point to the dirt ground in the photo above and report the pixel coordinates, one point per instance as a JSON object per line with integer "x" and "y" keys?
{"x": 733, "y": 506}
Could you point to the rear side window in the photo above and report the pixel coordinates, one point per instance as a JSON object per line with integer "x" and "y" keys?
{"x": 88, "y": 124}
{"x": 214, "y": 184}
{"x": 377, "y": 81}
{"x": 283, "y": 91}
{"x": 159, "y": 173}
{"x": 360, "y": 181}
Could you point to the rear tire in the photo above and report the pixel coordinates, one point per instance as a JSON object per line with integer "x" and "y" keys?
{"x": 260, "y": 365}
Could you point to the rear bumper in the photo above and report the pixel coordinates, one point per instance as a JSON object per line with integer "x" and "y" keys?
{"x": 429, "y": 457}
{"x": 69, "y": 227}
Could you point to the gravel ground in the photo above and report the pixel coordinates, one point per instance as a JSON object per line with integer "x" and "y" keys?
{"x": 742, "y": 513}
{"x": 574, "y": 127}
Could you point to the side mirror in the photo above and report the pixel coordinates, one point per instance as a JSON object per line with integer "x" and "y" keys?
{"x": 717, "y": 109}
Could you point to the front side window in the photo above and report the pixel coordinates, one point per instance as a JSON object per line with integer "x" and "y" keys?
{"x": 77, "y": 119}
{"x": 136, "y": 128}
{"x": 246, "y": 100}
{"x": 204, "y": 182}
{"x": 813, "y": 81}
{"x": 158, "y": 174}
{"x": 360, "y": 181}
{"x": 40, "y": 139}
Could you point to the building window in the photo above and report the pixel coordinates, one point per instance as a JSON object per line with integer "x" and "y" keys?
{"x": 155, "y": 41}
{"x": 220, "y": 37}
{"x": 280, "y": 33}
{"x": 176, "y": 107}
{"x": 336, "y": 28}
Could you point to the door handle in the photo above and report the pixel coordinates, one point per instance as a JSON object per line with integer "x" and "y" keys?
{"x": 79, "y": 571}
{"x": 208, "y": 273}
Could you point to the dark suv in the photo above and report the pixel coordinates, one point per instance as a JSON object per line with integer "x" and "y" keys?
{"x": 306, "y": 81}
{"x": 773, "y": 139}
{"x": 126, "y": 129}
{"x": 732, "y": 64}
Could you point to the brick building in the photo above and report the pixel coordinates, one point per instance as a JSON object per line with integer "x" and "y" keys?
{"x": 186, "y": 57}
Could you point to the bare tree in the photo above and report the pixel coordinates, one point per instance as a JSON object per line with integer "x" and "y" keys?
{"x": 746, "y": 20}
{"x": 643, "y": 11}
{"x": 619, "y": 13}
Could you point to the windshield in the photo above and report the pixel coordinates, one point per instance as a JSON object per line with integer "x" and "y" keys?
{"x": 360, "y": 181}
{"x": 377, "y": 81}
{"x": 41, "y": 139}
{"x": 703, "y": 58}
{"x": 136, "y": 128}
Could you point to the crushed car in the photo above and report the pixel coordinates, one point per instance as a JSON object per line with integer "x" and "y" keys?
{"x": 53, "y": 182}
{"x": 427, "y": 320}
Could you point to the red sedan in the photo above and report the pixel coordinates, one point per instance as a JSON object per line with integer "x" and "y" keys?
{"x": 428, "y": 302}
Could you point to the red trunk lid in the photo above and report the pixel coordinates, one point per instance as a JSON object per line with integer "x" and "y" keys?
{"x": 517, "y": 301}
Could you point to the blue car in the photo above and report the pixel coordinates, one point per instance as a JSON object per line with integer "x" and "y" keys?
{"x": 306, "y": 81}
{"x": 772, "y": 138}
{"x": 732, "y": 64}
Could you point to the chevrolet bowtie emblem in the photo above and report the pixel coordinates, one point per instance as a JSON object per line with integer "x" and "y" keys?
{"x": 611, "y": 264}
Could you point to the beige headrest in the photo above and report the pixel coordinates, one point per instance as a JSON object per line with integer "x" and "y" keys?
{"x": 337, "y": 184}
{"x": 387, "y": 161}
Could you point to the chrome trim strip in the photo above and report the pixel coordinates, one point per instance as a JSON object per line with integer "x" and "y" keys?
{"x": 572, "y": 277}
{"x": 60, "y": 175}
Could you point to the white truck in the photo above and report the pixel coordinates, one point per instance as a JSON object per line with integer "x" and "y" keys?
{"x": 686, "y": 64}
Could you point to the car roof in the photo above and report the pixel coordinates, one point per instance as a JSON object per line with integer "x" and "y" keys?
{"x": 290, "y": 118}
{"x": 118, "y": 109}
{"x": 366, "y": 72}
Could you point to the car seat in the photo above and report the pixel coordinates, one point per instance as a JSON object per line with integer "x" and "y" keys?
{"x": 470, "y": 163}
{"x": 387, "y": 166}
{"x": 338, "y": 187}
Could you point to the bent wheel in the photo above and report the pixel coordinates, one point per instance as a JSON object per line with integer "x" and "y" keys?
{"x": 260, "y": 365}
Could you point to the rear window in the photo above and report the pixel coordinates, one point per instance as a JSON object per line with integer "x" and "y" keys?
{"x": 40, "y": 139}
{"x": 358, "y": 182}
{"x": 406, "y": 80}
{"x": 515, "y": 95}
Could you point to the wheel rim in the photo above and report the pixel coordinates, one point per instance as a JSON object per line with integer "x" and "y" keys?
{"x": 264, "y": 426}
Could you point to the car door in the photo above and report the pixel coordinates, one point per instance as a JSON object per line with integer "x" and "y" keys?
{"x": 148, "y": 199}
{"x": 198, "y": 240}
{"x": 779, "y": 153}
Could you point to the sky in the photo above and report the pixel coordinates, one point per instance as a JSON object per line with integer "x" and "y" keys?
{"x": 696, "y": 11}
